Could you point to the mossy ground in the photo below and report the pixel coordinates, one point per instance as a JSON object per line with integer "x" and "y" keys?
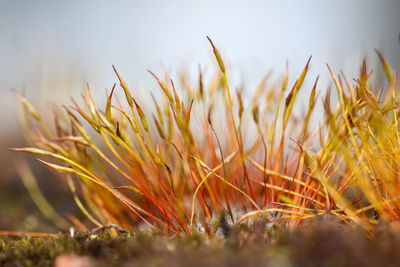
{"x": 359, "y": 148}
{"x": 322, "y": 243}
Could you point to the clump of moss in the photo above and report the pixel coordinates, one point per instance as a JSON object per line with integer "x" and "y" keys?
{"x": 177, "y": 172}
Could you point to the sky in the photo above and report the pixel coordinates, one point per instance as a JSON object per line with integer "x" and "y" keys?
{"x": 50, "y": 49}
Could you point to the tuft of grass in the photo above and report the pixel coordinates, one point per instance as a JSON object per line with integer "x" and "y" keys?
{"x": 178, "y": 174}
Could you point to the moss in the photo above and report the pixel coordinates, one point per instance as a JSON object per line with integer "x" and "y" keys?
{"x": 320, "y": 244}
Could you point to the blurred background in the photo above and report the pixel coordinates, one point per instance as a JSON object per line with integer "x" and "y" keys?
{"x": 50, "y": 49}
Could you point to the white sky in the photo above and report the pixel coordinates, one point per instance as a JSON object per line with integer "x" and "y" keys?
{"x": 56, "y": 46}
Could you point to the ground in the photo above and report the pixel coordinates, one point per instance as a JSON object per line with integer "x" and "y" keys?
{"x": 319, "y": 243}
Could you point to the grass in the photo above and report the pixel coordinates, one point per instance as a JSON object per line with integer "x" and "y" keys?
{"x": 209, "y": 151}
